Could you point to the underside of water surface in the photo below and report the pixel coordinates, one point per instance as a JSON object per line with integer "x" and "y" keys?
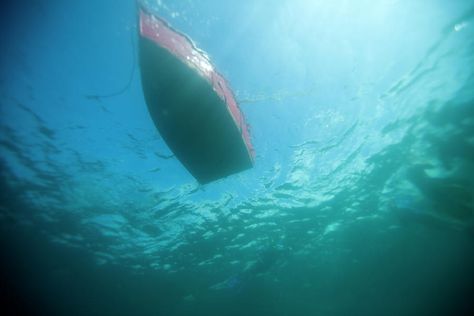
{"x": 360, "y": 202}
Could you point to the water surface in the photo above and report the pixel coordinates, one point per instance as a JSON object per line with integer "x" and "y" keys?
{"x": 361, "y": 200}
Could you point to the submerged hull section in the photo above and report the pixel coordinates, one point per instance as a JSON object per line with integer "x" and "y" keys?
{"x": 191, "y": 104}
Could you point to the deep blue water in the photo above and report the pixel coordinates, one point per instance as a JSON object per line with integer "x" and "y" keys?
{"x": 361, "y": 201}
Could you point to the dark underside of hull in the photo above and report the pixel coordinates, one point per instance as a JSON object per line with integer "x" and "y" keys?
{"x": 192, "y": 119}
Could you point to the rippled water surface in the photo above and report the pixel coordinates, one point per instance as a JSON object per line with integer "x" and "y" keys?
{"x": 360, "y": 202}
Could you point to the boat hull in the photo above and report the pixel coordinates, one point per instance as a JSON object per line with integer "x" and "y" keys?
{"x": 191, "y": 104}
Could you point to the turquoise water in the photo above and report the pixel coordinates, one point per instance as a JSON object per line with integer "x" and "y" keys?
{"x": 361, "y": 200}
